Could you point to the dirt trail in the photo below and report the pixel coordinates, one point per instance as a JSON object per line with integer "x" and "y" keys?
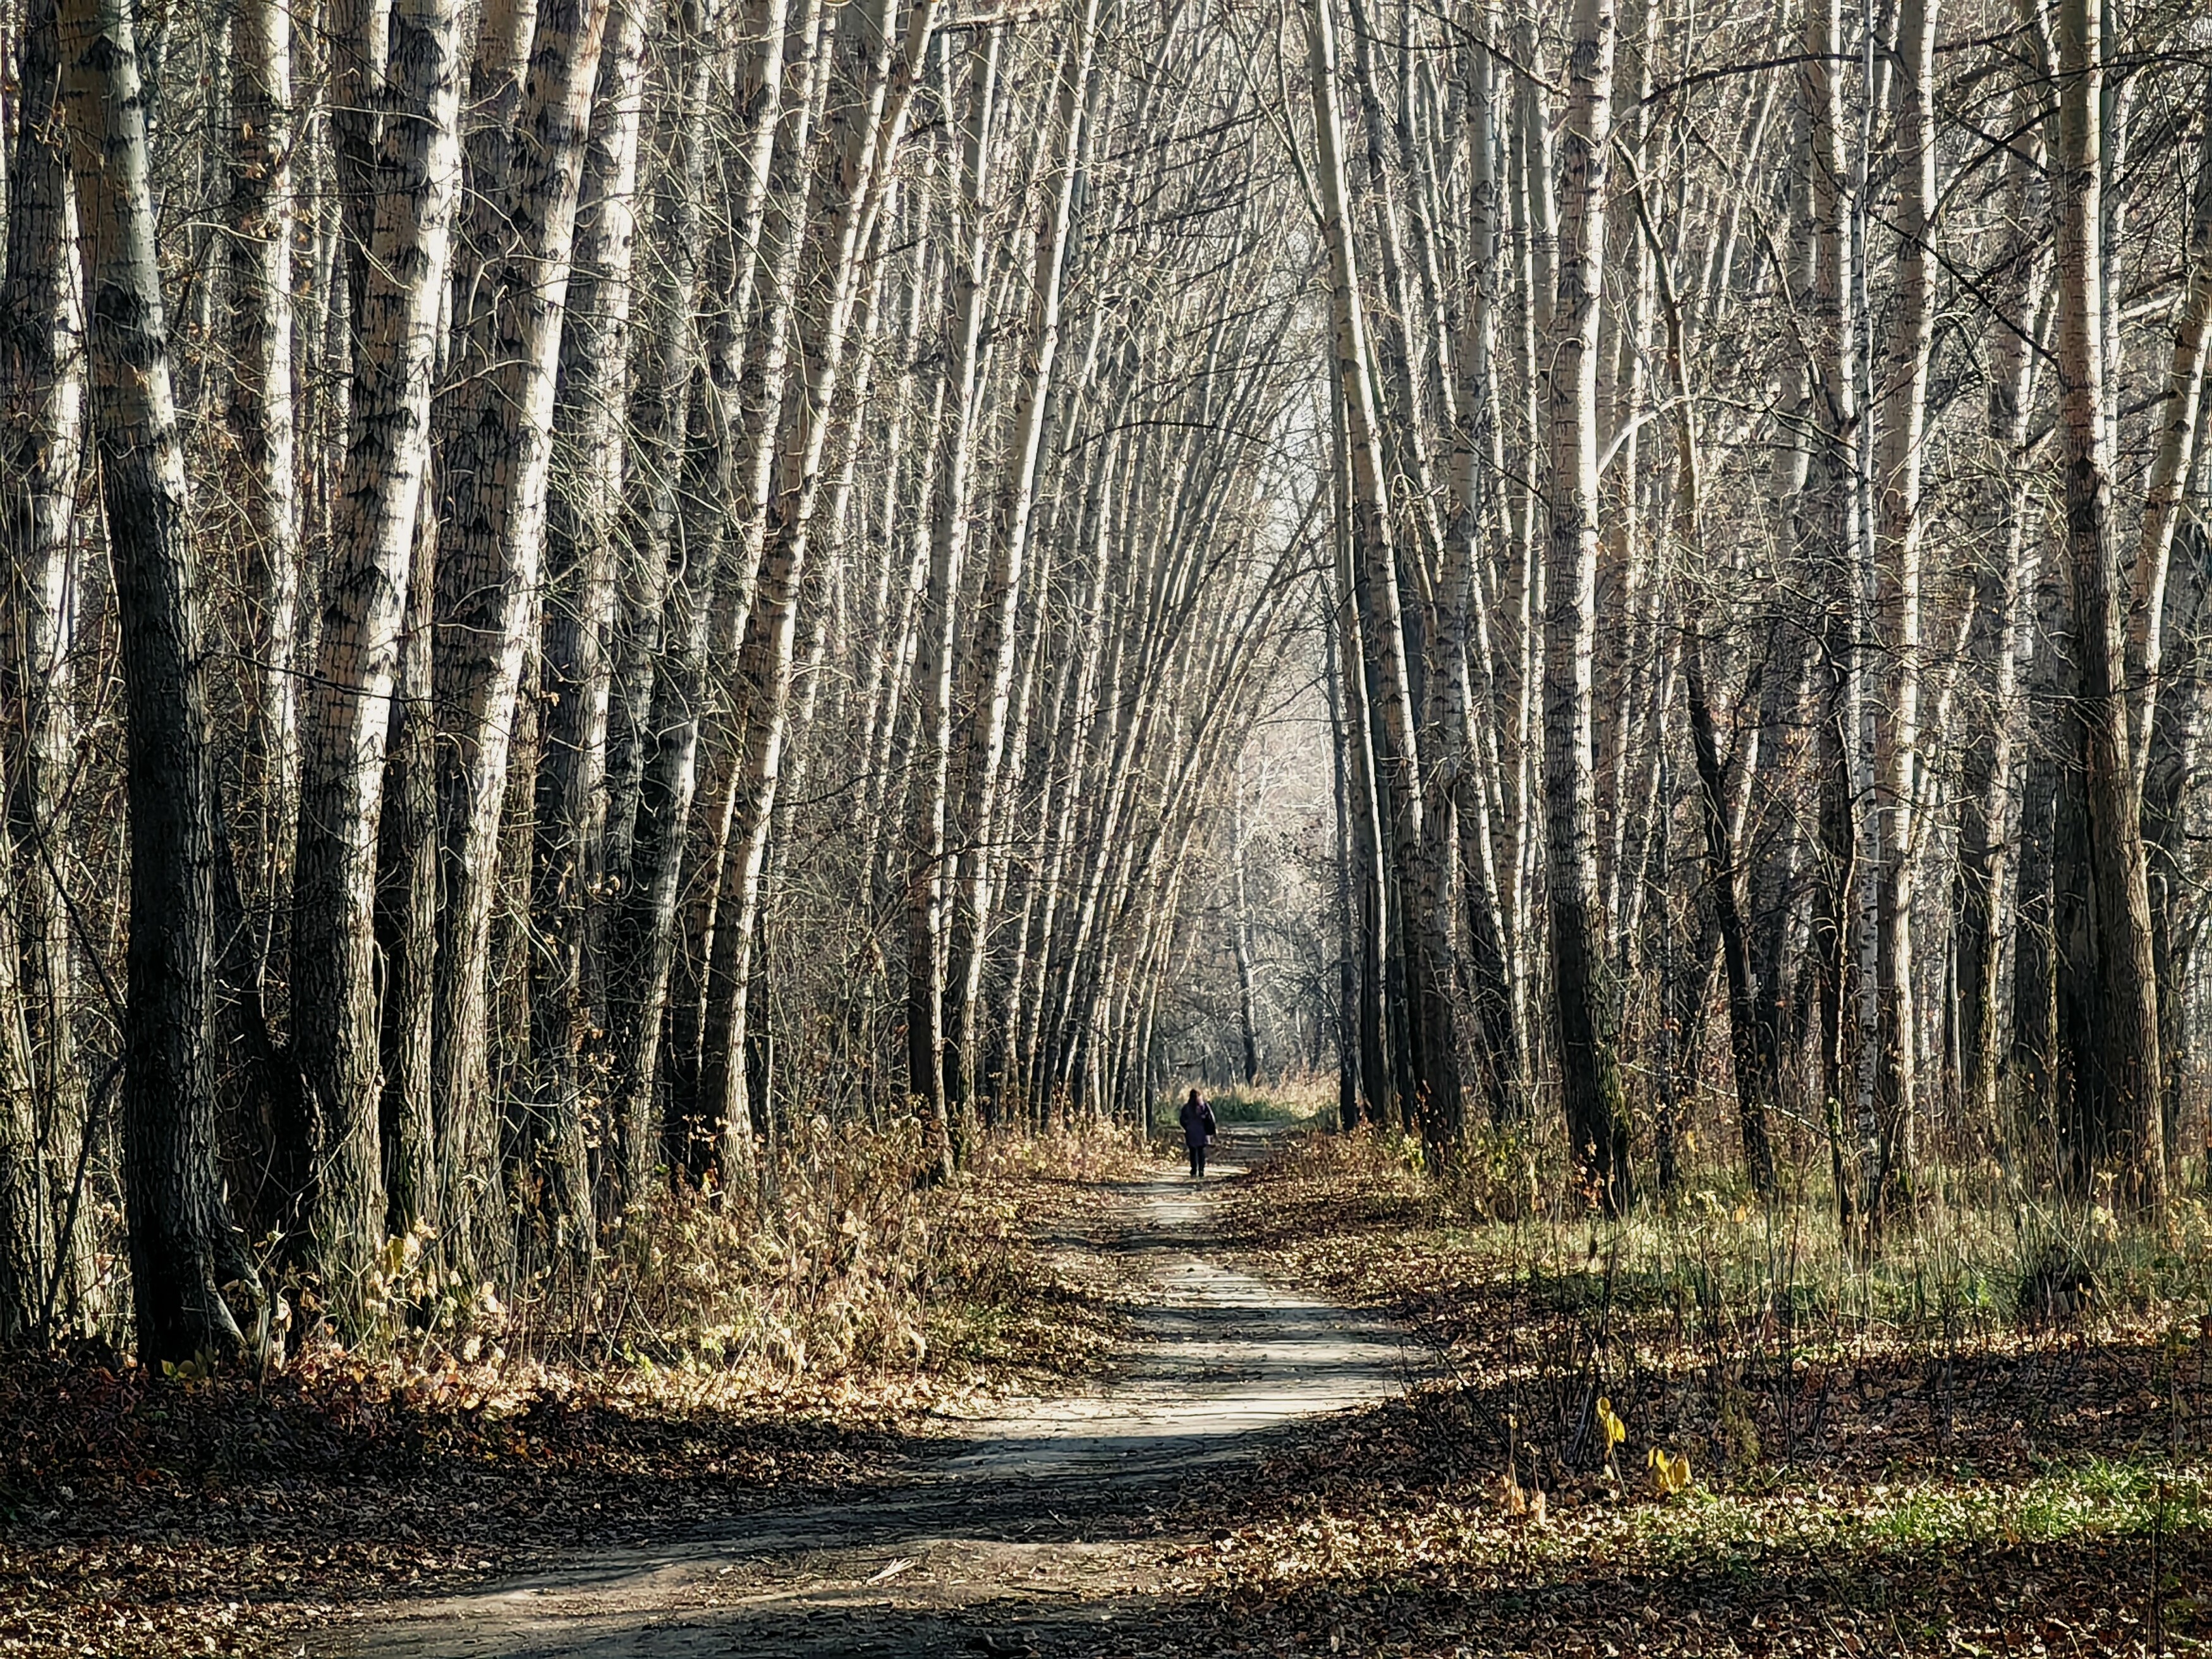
{"x": 989, "y": 1550}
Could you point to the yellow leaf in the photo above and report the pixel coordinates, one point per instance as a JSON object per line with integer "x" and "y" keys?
{"x": 1615, "y": 1430}
{"x": 1669, "y": 1474}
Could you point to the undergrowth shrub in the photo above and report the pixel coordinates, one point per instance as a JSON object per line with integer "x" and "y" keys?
{"x": 838, "y": 1256}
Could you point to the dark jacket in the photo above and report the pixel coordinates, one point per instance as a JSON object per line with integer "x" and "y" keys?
{"x": 1198, "y": 1124}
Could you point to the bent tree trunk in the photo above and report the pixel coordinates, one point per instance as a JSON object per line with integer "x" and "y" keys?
{"x": 1430, "y": 1048}
{"x": 182, "y": 1247}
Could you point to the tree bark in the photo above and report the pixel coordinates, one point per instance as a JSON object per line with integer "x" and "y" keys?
{"x": 491, "y": 541}
{"x": 183, "y": 1251}
{"x": 351, "y": 711}
{"x": 1597, "y": 1125}
{"x": 574, "y": 668}
{"x": 42, "y": 437}
{"x": 2119, "y": 1067}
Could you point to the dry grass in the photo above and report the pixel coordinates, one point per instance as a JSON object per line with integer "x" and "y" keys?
{"x": 728, "y": 1357}
{"x": 1915, "y": 1450}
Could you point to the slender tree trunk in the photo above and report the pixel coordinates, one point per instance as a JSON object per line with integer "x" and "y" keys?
{"x": 1003, "y": 585}
{"x": 2034, "y": 1049}
{"x": 1990, "y": 861}
{"x": 1347, "y": 957}
{"x": 41, "y": 439}
{"x": 900, "y": 580}
{"x": 1596, "y": 1115}
{"x": 2178, "y": 733}
{"x": 1240, "y": 937}
{"x": 1898, "y": 467}
{"x": 28, "y": 1213}
{"x": 1829, "y": 526}
{"x": 928, "y": 941}
{"x": 491, "y": 541}
{"x": 416, "y": 1171}
{"x": 657, "y": 405}
{"x": 770, "y": 294}
{"x": 676, "y": 521}
{"x": 872, "y": 83}
{"x": 360, "y": 43}
{"x": 1430, "y": 1047}
{"x": 183, "y": 1251}
{"x": 1537, "y": 204}
{"x": 350, "y": 711}
{"x": 261, "y": 425}
{"x": 1757, "y": 1063}
{"x": 1378, "y": 1095}
{"x": 2177, "y": 415}
{"x": 1466, "y": 629}
{"x": 573, "y": 674}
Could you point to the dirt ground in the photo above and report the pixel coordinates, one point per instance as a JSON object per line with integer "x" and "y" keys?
{"x": 1055, "y": 1526}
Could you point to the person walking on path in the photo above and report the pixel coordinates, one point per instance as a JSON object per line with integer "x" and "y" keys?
{"x": 1198, "y": 1129}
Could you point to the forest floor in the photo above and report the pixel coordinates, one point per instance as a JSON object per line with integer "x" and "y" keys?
{"x": 1058, "y": 1523}
{"x": 236, "y": 1513}
{"x": 1220, "y": 1462}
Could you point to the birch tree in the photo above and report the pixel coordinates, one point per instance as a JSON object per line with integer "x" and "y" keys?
{"x": 338, "y": 1031}
{"x": 1590, "y": 1069}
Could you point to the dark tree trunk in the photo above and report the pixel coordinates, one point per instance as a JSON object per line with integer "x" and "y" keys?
{"x": 1758, "y": 1067}
{"x": 183, "y": 1248}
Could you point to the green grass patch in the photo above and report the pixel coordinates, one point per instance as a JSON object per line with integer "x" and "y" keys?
{"x": 1291, "y": 1103}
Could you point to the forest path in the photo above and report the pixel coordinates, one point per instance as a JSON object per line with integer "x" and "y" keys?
{"x": 1039, "y": 1531}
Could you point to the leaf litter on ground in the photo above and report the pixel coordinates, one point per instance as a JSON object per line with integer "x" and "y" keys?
{"x": 232, "y": 1512}
{"x": 1885, "y": 1489}
{"x": 1976, "y": 1486}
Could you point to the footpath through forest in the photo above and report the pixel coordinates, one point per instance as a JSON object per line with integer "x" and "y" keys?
{"x": 1055, "y": 1525}
{"x": 1137, "y": 1421}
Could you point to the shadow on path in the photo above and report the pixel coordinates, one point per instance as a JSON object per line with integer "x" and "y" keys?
{"x": 1045, "y": 1526}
